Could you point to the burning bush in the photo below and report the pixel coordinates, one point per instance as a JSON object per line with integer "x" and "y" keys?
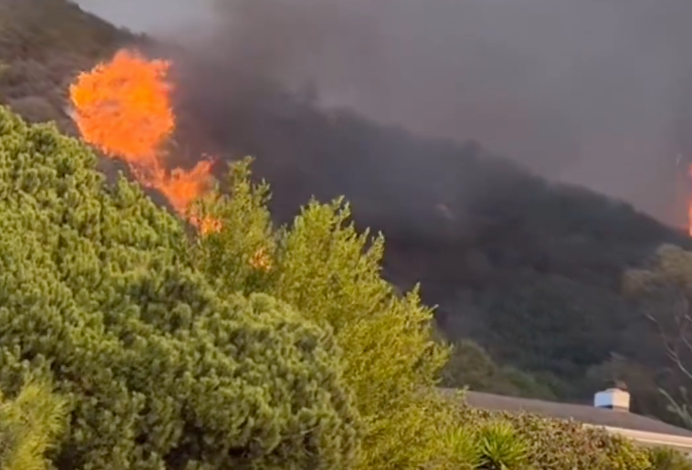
{"x": 98, "y": 292}
{"x": 123, "y": 107}
{"x": 325, "y": 268}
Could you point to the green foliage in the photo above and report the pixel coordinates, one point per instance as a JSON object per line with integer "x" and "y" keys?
{"x": 489, "y": 444}
{"x": 461, "y": 445}
{"x": 527, "y": 268}
{"x": 664, "y": 458}
{"x": 99, "y": 293}
{"x": 471, "y": 366}
{"x": 539, "y": 443}
{"x": 535, "y": 266}
{"x": 664, "y": 292}
{"x": 168, "y": 366}
{"x": 247, "y": 231}
{"x": 500, "y": 447}
{"x": 30, "y": 425}
{"x": 332, "y": 274}
{"x": 327, "y": 270}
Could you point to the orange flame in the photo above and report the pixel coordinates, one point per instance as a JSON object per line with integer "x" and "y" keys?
{"x": 261, "y": 260}
{"x": 124, "y": 108}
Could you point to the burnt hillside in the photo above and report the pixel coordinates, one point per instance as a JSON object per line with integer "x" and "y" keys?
{"x": 529, "y": 269}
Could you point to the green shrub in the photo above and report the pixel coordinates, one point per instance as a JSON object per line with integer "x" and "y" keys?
{"x": 554, "y": 444}
{"x": 501, "y": 447}
{"x": 97, "y": 291}
{"x": 30, "y": 424}
{"x": 663, "y": 458}
{"x": 485, "y": 445}
{"x": 331, "y": 273}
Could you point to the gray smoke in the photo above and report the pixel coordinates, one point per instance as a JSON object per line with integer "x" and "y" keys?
{"x": 585, "y": 91}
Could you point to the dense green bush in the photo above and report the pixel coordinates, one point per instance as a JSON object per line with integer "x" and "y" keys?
{"x": 663, "y": 458}
{"x": 30, "y": 425}
{"x": 226, "y": 353}
{"x": 516, "y": 264}
{"x": 331, "y": 273}
{"x": 322, "y": 266}
{"x": 486, "y": 445}
{"x": 555, "y": 444}
{"x": 97, "y": 291}
{"x": 471, "y": 366}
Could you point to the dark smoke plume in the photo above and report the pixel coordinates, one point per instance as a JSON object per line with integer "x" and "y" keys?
{"x": 584, "y": 91}
{"x": 592, "y": 92}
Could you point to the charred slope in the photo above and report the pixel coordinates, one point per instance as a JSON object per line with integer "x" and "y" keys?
{"x": 529, "y": 269}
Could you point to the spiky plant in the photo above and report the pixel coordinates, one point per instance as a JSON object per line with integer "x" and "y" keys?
{"x": 501, "y": 447}
{"x": 463, "y": 447}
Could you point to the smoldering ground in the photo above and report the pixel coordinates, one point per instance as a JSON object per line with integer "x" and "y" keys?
{"x": 588, "y": 92}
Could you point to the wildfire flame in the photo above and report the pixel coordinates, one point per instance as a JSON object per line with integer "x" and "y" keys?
{"x": 123, "y": 107}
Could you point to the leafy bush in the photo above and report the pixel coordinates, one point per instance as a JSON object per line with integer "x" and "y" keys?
{"x": 29, "y": 426}
{"x": 101, "y": 291}
{"x": 97, "y": 291}
{"x": 501, "y": 447}
{"x": 663, "y": 458}
{"x": 332, "y": 274}
{"x": 487, "y": 445}
{"x": 471, "y": 366}
{"x": 553, "y": 444}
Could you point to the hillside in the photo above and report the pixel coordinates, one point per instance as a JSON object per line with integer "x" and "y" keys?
{"x": 529, "y": 269}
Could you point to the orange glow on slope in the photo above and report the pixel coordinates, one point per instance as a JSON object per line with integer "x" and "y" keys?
{"x": 123, "y": 107}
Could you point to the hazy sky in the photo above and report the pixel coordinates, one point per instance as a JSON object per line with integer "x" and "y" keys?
{"x": 151, "y": 16}
{"x": 585, "y": 91}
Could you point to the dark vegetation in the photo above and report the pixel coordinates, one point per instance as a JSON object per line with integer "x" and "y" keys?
{"x": 128, "y": 342}
{"x": 125, "y": 343}
{"x": 530, "y": 271}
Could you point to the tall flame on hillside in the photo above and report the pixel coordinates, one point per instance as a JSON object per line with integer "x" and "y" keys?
{"x": 123, "y": 107}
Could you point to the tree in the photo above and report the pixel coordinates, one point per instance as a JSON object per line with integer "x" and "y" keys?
{"x": 664, "y": 293}
{"x": 330, "y": 272}
{"x": 98, "y": 292}
{"x": 471, "y": 366}
{"x": 30, "y": 425}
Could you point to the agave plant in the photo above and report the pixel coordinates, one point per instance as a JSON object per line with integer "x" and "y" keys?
{"x": 501, "y": 447}
{"x": 462, "y": 445}
{"x": 29, "y": 426}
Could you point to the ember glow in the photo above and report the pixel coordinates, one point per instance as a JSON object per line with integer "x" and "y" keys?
{"x": 123, "y": 108}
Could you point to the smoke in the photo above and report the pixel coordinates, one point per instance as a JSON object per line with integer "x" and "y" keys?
{"x": 584, "y": 91}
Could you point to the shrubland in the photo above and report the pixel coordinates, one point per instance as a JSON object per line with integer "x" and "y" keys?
{"x": 526, "y": 273}
{"x": 282, "y": 346}
{"x": 128, "y": 341}
{"x": 100, "y": 295}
